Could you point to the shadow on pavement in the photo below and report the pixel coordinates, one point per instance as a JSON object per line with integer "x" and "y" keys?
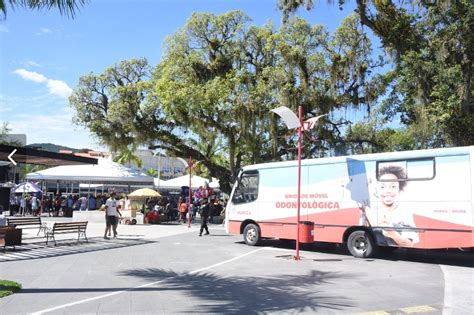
{"x": 256, "y": 295}
{"x": 38, "y": 250}
{"x": 452, "y": 257}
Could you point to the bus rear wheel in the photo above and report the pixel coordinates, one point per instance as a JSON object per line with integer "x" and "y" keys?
{"x": 251, "y": 234}
{"x": 361, "y": 244}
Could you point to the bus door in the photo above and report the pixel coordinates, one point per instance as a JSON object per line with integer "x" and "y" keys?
{"x": 243, "y": 203}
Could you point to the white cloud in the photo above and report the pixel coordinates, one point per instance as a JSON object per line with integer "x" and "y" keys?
{"x": 4, "y": 29}
{"x": 31, "y": 75}
{"x": 56, "y": 128}
{"x": 59, "y": 88}
{"x": 55, "y": 87}
{"x": 44, "y": 31}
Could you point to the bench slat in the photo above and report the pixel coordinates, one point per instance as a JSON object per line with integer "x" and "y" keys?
{"x": 67, "y": 227}
{"x": 27, "y": 223}
{"x": 36, "y": 221}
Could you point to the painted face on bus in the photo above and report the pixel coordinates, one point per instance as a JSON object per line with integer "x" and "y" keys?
{"x": 388, "y": 191}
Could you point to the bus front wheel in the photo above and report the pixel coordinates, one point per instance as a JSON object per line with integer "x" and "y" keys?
{"x": 251, "y": 234}
{"x": 361, "y": 244}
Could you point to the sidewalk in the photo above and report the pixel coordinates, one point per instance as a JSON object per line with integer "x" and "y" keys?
{"x": 96, "y": 227}
{"x": 34, "y": 246}
{"x": 122, "y": 275}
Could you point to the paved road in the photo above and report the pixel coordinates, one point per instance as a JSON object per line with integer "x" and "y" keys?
{"x": 168, "y": 269}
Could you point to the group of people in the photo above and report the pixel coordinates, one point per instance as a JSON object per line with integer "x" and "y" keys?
{"x": 205, "y": 202}
{"x": 36, "y": 203}
{"x": 26, "y": 204}
{"x": 208, "y": 209}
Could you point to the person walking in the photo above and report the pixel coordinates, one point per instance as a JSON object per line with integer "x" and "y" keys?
{"x": 183, "y": 210}
{"x": 83, "y": 203}
{"x": 111, "y": 210}
{"x": 204, "y": 212}
{"x": 23, "y": 205}
{"x": 3, "y": 220}
{"x": 34, "y": 205}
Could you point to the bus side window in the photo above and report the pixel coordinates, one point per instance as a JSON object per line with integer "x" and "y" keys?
{"x": 413, "y": 169}
{"x": 247, "y": 189}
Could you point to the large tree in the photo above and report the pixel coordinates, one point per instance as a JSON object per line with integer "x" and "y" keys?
{"x": 211, "y": 95}
{"x": 210, "y": 90}
{"x": 433, "y": 50}
{"x": 110, "y": 104}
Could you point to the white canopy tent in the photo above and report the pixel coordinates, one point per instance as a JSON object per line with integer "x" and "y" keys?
{"x": 196, "y": 182}
{"x": 105, "y": 172}
{"x": 158, "y": 182}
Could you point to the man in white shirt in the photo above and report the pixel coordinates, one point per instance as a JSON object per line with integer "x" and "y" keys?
{"x": 111, "y": 210}
{"x": 83, "y": 200}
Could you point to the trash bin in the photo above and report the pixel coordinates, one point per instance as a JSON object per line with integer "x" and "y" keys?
{"x": 306, "y": 232}
{"x": 67, "y": 213}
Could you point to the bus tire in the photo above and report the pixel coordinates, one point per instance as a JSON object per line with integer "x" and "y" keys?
{"x": 361, "y": 244}
{"x": 251, "y": 234}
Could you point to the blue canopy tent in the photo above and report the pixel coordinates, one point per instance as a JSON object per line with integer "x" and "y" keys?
{"x": 26, "y": 188}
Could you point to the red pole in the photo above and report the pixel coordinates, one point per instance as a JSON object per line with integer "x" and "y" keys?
{"x": 189, "y": 201}
{"x": 297, "y": 257}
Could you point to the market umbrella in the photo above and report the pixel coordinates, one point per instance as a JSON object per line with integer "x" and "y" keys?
{"x": 27, "y": 188}
{"x": 144, "y": 193}
{"x": 140, "y": 195}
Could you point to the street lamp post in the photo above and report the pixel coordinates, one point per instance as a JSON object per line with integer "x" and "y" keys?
{"x": 297, "y": 257}
{"x": 292, "y": 122}
{"x": 190, "y": 191}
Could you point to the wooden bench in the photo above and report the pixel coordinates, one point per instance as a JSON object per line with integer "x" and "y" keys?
{"x": 27, "y": 223}
{"x": 10, "y": 236}
{"x": 67, "y": 227}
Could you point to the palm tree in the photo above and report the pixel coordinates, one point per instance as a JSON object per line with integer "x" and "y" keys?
{"x": 152, "y": 172}
{"x": 127, "y": 155}
{"x": 4, "y": 131}
{"x": 65, "y": 7}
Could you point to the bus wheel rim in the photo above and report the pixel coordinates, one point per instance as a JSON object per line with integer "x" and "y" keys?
{"x": 251, "y": 234}
{"x": 360, "y": 244}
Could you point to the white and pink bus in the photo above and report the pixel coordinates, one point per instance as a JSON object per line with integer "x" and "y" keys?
{"x": 418, "y": 199}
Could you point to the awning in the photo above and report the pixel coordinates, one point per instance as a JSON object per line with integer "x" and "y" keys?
{"x": 39, "y": 157}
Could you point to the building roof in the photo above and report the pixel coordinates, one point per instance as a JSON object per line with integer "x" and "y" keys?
{"x": 105, "y": 171}
{"x": 39, "y": 157}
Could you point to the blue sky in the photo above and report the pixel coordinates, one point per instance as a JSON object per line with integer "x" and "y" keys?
{"x": 43, "y": 54}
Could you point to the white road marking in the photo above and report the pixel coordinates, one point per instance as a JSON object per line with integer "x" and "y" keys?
{"x": 140, "y": 286}
{"x": 458, "y": 290}
{"x": 448, "y": 291}
{"x": 226, "y": 261}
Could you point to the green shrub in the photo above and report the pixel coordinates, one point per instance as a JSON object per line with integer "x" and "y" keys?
{"x": 8, "y": 287}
